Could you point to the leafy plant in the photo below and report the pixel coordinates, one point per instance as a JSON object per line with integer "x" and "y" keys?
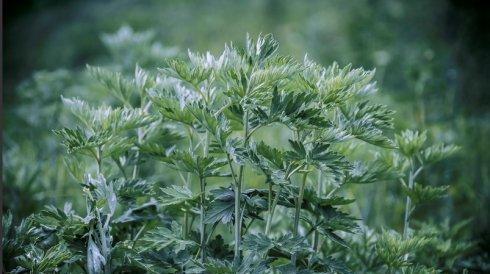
{"x": 217, "y": 202}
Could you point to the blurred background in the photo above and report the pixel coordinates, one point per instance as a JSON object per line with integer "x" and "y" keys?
{"x": 431, "y": 60}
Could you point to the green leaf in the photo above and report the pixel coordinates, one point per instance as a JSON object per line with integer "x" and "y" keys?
{"x": 220, "y": 211}
{"x": 163, "y": 237}
{"x": 187, "y": 162}
{"x": 118, "y": 85}
{"x": 144, "y": 212}
{"x": 106, "y": 118}
{"x": 261, "y": 49}
{"x": 368, "y": 173}
{"x": 77, "y": 141}
{"x": 420, "y": 194}
{"x": 392, "y": 248}
{"x": 190, "y": 73}
{"x": 284, "y": 245}
{"x": 175, "y": 195}
{"x": 367, "y": 122}
{"x": 411, "y": 142}
{"x": 289, "y": 108}
{"x": 438, "y": 152}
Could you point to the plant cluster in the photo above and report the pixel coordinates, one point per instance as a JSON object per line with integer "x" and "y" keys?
{"x": 225, "y": 196}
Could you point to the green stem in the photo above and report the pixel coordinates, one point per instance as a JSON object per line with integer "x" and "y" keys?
{"x": 140, "y": 134}
{"x": 408, "y": 204}
{"x": 269, "y": 206}
{"x": 297, "y": 212}
{"x": 299, "y": 202}
{"x": 271, "y": 213}
{"x": 202, "y": 226}
{"x": 316, "y": 235}
{"x": 238, "y": 195}
{"x": 98, "y": 158}
{"x": 121, "y": 168}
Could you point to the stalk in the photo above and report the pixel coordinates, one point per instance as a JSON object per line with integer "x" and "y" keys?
{"x": 202, "y": 226}
{"x": 187, "y": 184}
{"x": 202, "y": 183}
{"x": 271, "y": 213}
{"x": 297, "y": 212}
{"x": 316, "y": 235}
{"x": 408, "y": 204}
{"x": 140, "y": 140}
{"x": 103, "y": 237}
{"x": 269, "y": 206}
{"x": 98, "y": 158}
{"x": 238, "y": 195}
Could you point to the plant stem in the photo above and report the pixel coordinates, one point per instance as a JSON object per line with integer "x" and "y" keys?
{"x": 98, "y": 158}
{"x": 202, "y": 227}
{"x": 297, "y": 212}
{"x": 408, "y": 204}
{"x": 269, "y": 206}
{"x": 299, "y": 202}
{"x": 187, "y": 183}
{"x": 316, "y": 235}
{"x": 121, "y": 168}
{"x": 238, "y": 196}
{"x": 271, "y": 214}
{"x": 140, "y": 133}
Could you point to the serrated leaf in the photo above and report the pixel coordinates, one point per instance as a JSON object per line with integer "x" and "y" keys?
{"x": 175, "y": 195}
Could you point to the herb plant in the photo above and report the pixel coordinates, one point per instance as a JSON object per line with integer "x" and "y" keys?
{"x": 181, "y": 175}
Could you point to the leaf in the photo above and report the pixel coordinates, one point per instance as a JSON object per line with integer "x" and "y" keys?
{"x": 220, "y": 211}
{"x": 162, "y": 237}
{"x": 119, "y": 86}
{"x": 410, "y": 142}
{"x": 77, "y": 141}
{"x": 334, "y": 84}
{"x": 258, "y": 51}
{"x": 175, "y": 195}
{"x": 421, "y": 193}
{"x": 285, "y": 244}
{"x": 106, "y": 118}
{"x": 144, "y": 212}
{"x": 438, "y": 152}
{"x": 218, "y": 126}
{"x": 392, "y": 248}
{"x": 171, "y": 108}
{"x": 367, "y": 122}
{"x": 318, "y": 154}
{"x": 290, "y": 108}
{"x": 187, "y": 162}
{"x": 368, "y": 174}
{"x": 191, "y": 73}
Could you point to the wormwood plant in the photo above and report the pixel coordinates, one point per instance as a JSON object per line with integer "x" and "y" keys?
{"x": 227, "y": 198}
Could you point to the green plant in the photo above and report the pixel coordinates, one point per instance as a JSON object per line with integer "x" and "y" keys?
{"x": 214, "y": 204}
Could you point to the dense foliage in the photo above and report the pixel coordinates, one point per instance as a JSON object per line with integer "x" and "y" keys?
{"x": 237, "y": 163}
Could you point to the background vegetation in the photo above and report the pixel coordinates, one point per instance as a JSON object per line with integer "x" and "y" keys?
{"x": 430, "y": 59}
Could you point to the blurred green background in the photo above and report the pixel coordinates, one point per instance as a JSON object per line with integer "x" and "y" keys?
{"x": 431, "y": 59}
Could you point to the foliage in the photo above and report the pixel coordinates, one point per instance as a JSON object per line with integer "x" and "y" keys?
{"x": 203, "y": 118}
